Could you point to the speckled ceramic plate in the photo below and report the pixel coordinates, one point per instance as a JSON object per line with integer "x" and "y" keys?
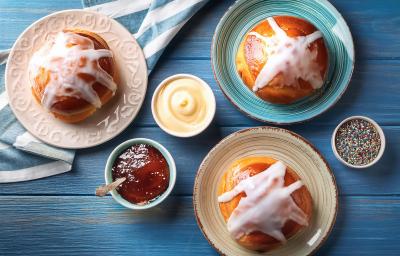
{"x": 108, "y": 121}
{"x": 243, "y": 16}
{"x": 280, "y": 144}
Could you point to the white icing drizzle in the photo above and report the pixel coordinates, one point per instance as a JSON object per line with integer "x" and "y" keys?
{"x": 289, "y": 56}
{"x": 267, "y": 205}
{"x": 64, "y": 62}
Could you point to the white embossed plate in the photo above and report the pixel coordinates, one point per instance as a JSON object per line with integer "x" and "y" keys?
{"x": 295, "y": 152}
{"x": 108, "y": 121}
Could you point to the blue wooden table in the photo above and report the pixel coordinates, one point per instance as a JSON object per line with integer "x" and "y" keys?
{"x": 61, "y": 215}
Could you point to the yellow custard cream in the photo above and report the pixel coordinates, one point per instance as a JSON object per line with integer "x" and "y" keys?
{"x": 184, "y": 105}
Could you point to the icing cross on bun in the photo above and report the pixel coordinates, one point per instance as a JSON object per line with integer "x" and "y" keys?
{"x": 283, "y": 59}
{"x": 72, "y": 74}
{"x": 263, "y": 202}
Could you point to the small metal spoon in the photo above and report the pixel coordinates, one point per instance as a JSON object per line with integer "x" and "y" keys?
{"x": 103, "y": 190}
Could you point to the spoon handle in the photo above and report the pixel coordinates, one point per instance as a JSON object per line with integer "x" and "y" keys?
{"x": 103, "y": 190}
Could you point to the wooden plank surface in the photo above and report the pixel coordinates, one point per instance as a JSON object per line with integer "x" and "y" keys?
{"x": 376, "y": 75}
{"x": 91, "y": 226}
{"x": 88, "y": 171}
{"x": 375, "y": 25}
{"x": 373, "y": 80}
{"x": 60, "y": 215}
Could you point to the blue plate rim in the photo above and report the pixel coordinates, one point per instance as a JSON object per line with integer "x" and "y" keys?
{"x": 266, "y": 120}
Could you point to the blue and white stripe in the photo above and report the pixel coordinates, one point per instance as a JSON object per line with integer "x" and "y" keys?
{"x": 153, "y": 23}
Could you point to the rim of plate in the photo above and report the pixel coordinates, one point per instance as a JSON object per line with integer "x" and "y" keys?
{"x": 271, "y": 128}
{"x": 336, "y": 13}
{"x": 142, "y": 64}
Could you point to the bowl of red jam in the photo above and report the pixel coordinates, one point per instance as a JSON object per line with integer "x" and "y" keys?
{"x": 149, "y": 170}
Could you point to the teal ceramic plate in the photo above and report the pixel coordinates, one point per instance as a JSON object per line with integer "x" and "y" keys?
{"x": 243, "y": 16}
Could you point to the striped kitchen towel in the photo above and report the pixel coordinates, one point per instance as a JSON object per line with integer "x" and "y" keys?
{"x": 153, "y": 23}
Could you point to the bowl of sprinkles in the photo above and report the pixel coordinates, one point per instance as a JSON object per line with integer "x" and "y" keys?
{"x": 358, "y": 142}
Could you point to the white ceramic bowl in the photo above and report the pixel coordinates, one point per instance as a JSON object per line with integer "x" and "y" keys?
{"x": 381, "y": 135}
{"x": 212, "y": 106}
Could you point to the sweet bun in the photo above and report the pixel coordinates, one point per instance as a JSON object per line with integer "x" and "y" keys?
{"x": 283, "y": 59}
{"x": 249, "y": 167}
{"x": 73, "y": 74}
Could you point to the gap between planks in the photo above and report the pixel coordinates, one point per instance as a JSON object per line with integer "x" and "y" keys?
{"x": 173, "y": 195}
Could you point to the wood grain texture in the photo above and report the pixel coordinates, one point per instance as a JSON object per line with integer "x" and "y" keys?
{"x": 88, "y": 169}
{"x": 375, "y": 78}
{"x": 98, "y": 226}
{"x": 375, "y": 25}
{"x": 373, "y": 82}
{"x": 18, "y": 15}
{"x": 371, "y": 22}
{"x": 59, "y": 215}
{"x": 373, "y": 91}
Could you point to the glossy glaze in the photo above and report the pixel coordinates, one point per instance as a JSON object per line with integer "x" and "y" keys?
{"x": 146, "y": 171}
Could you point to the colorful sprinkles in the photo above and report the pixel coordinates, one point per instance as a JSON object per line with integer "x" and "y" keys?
{"x": 357, "y": 142}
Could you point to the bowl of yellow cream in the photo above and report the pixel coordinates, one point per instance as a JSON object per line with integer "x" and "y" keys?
{"x": 183, "y": 105}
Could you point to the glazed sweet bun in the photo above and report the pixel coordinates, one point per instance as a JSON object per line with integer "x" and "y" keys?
{"x": 263, "y": 202}
{"x": 283, "y": 59}
{"x": 72, "y": 75}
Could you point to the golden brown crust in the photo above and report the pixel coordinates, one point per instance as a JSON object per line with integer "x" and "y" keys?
{"x": 249, "y": 61}
{"x": 250, "y": 166}
{"x": 70, "y": 109}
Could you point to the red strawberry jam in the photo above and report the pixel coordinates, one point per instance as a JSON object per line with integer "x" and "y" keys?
{"x": 146, "y": 172}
